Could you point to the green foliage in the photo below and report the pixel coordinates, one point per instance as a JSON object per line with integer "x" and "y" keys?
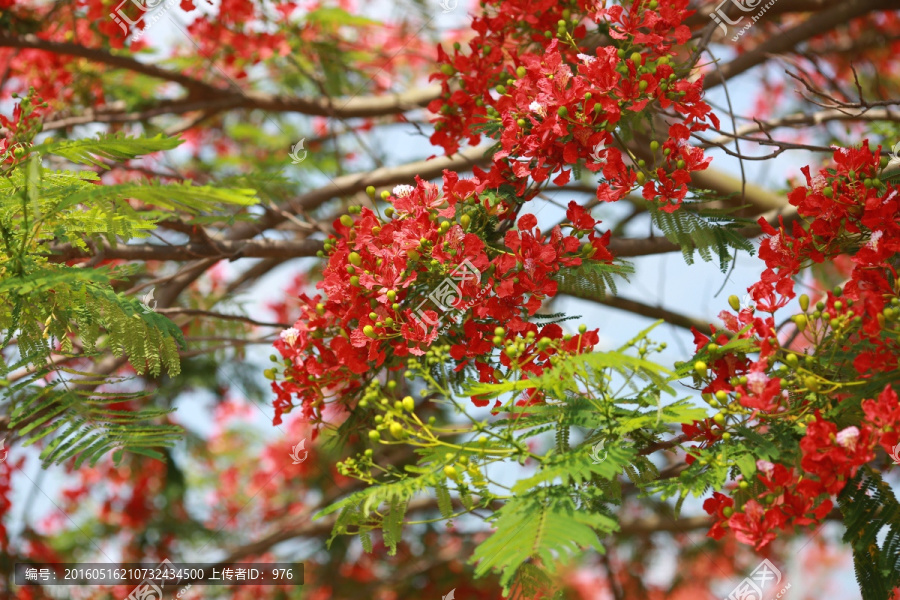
{"x": 532, "y": 582}
{"x": 85, "y": 423}
{"x": 592, "y": 279}
{"x": 869, "y": 507}
{"x": 114, "y": 147}
{"x": 703, "y": 230}
{"x": 560, "y": 506}
{"x": 55, "y": 318}
{"x": 547, "y": 525}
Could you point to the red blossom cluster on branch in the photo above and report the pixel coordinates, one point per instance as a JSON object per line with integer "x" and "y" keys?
{"x": 850, "y": 211}
{"x": 553, "y": 115}
{"x": 382, "y": 269}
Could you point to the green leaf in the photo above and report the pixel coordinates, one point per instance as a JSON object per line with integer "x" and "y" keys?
{"x": 547, "y": 526}
{"x": 114, "y": 147}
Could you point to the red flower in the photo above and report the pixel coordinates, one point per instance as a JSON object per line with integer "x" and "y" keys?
{"x": 716, "y": 506}
{"x": 834, "y": 457}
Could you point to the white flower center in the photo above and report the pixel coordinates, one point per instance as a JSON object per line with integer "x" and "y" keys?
{"x": 290, "y": 336}
{"x": 847, "y": 437}
{"x": 402, "y": 191}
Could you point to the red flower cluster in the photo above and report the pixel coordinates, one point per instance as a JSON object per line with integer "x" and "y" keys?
{"x": 21, "y": 129}
{"x": 850, "y": 212}
{"x": 389, "y": 280}
{"x": 556, "y": 109}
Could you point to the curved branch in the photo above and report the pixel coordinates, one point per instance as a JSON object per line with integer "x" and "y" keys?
{"x": 103, "y": 56}
{"x": 365, "y": 106}
{"x": 817, "y": 24}
{"x": 802, "y": 120}
{"x": 645, "y": 310}
{"x": 357, "y": 182}
{"x": 232, "y": 250}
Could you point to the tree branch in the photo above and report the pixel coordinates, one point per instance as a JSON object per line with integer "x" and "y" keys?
{"x": 817, "y": 24}
{"x": 231, "y": 250}
{"x": 103, "y": 56}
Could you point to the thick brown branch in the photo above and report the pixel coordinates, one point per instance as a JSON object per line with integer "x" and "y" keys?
{"x": 645, "y": 310}
{"x": 817, "y": 24}
{"x": 804, "y": 120}
{"x": 346, "y": 185}
{"x": 107, "y": 58}
{"x": 365, "y": 106}
{"x": 232, "y": 250}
